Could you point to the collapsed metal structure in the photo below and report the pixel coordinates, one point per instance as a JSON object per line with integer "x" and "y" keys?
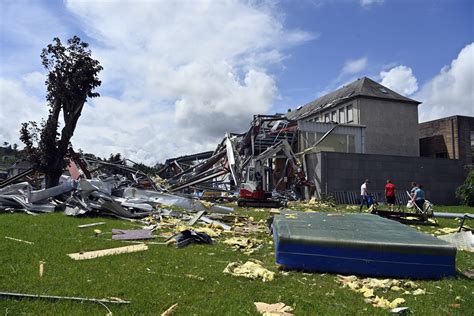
{"x": 263, "y": 164}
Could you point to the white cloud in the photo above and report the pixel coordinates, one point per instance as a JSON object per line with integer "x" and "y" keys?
{"x": 451, "y": 92}
{"x": 178, "y": 75}
{"x": 400, "y": 79}
{"x": 367, "y": 3}
{"x": 17, "y": 106}
{"x": 354, "y": 66}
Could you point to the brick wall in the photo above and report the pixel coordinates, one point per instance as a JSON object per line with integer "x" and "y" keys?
{"x": 451, "y": 135}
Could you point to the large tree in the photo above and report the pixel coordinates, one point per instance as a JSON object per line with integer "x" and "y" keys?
{"x": 72, "y": 78}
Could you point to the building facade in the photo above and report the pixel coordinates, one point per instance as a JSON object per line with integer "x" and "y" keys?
{"x": 450, "y": 137}
{"x": 390, "y": 119}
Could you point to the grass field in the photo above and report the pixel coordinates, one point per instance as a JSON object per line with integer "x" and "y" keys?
{"x": 155, "y": 279}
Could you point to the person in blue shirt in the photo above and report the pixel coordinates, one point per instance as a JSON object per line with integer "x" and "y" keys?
{"x": 419, "y": 196}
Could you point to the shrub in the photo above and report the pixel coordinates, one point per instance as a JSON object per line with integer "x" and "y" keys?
{"x": 465, "y": 192}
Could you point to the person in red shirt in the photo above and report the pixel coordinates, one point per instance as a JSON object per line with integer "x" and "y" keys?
{"x": 390, "y": 194}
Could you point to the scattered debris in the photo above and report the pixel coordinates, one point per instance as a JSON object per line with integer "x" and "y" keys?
{"x": 462, "y": 240}
{"x": 41, "y": 268}
{"x": 112, "y": 300}
{"x": 368, "y": 286}
{"x": 107, "y": 252}
{"x": 20, "y": 240}
{"x": 244, "y": 244}
{"x": 468, "y": 273}
{"x": 196, "y": 217}
{"x": 91, "y": 225}
{"x": 418, "y": 292}
{"x": 445, "y": 230}
{"x": 382, "y": 302}
{"x": 252, "y": 269}
{"x": 273, "y": 309}
{"x": 170, "y": 310}
{"x": 400, "y": 310}
{"x": 123, "y": 234}
{"x": 187, "y": 237}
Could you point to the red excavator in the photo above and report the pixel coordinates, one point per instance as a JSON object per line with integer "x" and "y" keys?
{"x": 251, "y": 189}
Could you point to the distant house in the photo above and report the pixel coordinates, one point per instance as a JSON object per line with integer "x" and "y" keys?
{"x": 390, "y": 119}
{"x": 18, "y": 167}
{"x": 450, "y": 137}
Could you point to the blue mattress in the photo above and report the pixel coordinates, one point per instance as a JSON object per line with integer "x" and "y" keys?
{"x": 362, "y": 244}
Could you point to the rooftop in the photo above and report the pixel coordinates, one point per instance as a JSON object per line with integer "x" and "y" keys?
{"x": 362, "y": 87}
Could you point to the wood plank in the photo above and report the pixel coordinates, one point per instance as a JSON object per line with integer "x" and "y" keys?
{"x": 107, "y": 252}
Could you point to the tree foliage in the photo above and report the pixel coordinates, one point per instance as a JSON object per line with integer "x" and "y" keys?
{"x": 465, "y": 192}
{"x": 72, "y": 78}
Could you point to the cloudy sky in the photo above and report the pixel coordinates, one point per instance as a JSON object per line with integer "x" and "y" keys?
{"x": 180, "y": 74}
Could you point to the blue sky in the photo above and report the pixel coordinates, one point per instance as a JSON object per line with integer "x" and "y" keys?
{"x": 179, "y": 74}
{"x": 422, "y": 34}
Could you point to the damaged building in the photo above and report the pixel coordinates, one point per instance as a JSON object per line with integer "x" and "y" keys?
{"x": 361, "y": 130}
{"x": 390, "y": 146}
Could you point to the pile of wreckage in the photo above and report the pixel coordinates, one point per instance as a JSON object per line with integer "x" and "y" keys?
{"x": 128, "y": 194}
{"x": 240, "y": 169}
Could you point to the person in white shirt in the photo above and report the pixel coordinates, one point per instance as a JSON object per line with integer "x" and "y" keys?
{"x": 364, "y": 193}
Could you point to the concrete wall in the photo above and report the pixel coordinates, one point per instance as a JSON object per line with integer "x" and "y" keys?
{"x": 392, "y": 127}
{"x": 332, "y": 172}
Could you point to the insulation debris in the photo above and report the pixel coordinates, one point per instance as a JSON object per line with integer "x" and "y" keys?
{"x": 252, "y": 269}
{"x": 244, "y": 244}
{"x": 277, "y": 309}
{"x": 369, "y": 286}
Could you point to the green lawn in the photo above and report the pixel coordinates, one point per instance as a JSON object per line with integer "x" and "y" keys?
{"x": 154, "y": 280}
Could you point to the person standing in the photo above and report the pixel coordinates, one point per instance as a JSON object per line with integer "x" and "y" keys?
{"x": 364, "y": 194}
{"x": 390, "y": 194}
{"x": 419, "y": 196}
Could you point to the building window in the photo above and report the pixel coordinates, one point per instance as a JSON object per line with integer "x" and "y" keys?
{"x": 334, "y": 116}
{"x": 342, "y": 115}
{"x": 327, "y": 118}
{"x": 349, "y": 114}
